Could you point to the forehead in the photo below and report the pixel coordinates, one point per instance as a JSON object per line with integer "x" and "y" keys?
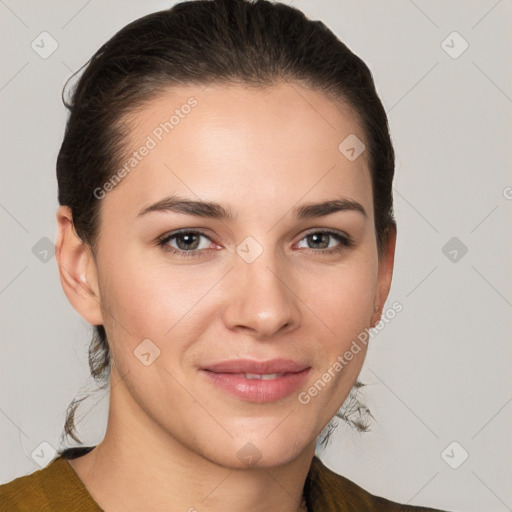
{"x": 243, "y": 145}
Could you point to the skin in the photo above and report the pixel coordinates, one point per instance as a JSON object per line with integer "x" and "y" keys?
{"x": 172, "y": 437}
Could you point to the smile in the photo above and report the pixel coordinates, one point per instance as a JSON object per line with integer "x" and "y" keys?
{"x": 257, "y": 381}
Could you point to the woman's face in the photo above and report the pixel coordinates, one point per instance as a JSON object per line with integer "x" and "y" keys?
{"x": 260, "y": 281}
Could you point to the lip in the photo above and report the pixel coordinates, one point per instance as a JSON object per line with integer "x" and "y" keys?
{"x": 251, "y": 366}
{"x": 226, "y": 376}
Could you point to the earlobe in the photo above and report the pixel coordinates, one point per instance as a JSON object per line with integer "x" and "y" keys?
{"x": 77, "y": 269}
{"x": 377, "y": 312}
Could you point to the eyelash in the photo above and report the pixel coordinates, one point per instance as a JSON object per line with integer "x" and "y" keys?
{"x": 345, "y": 242}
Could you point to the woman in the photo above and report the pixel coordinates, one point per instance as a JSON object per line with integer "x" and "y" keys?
{"x": 226, "y": 224}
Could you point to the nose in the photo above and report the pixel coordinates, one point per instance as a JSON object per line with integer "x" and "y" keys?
{"x": 261, "y": 301}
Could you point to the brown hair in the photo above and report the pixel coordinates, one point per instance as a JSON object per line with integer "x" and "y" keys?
{"x": 199, "y": 42}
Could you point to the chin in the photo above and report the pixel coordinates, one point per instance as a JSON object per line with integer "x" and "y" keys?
{"x": 259, "y": 451}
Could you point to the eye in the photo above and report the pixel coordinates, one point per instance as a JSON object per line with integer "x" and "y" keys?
{"x": 192, "y": 243}
{"x": 326, "y": 241}
{"x": 185, "y": 242}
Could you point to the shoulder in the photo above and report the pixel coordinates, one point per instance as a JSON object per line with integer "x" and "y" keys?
{"x": 328, "y": 491}
{"x": 54, "y": 488}
{"x": 27, "y": 492}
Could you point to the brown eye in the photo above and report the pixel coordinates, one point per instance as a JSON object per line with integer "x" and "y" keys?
{"x": 185, "y": 243}
{"x": 319, "y": 240}
{"x": 326, "y": 241}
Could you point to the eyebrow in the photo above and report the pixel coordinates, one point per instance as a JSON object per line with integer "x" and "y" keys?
{"x": 216, "y": 211}
{"x": 311, "y": 210}
{"x": 190, "y": 207}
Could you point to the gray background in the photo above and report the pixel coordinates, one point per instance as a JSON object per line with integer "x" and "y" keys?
{"x": 438, "y": 373}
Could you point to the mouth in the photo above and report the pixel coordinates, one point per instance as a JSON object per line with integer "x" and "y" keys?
{"x": 257, "y": 381}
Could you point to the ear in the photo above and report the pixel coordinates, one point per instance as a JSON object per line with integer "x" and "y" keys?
{"x": 386, "y": 261}
{"x": 77, "y": 269}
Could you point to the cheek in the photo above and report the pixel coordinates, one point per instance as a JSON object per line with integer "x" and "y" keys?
{"x": 147, "y": 300}
{"x": 345, "y": 301}
{"x": 345, "y": 309}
